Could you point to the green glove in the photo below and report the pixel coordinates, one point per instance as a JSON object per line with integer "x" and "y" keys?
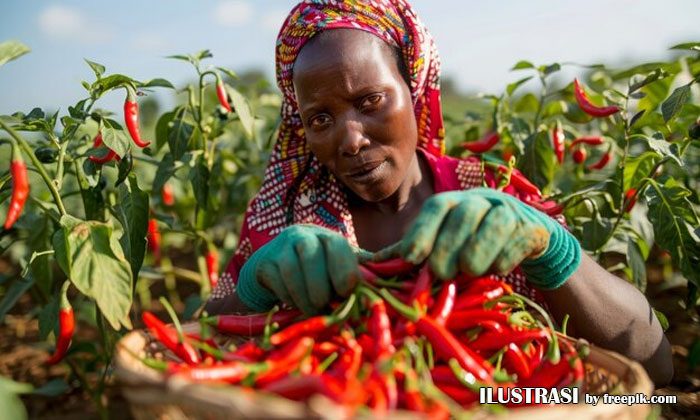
{"x": 480, "y": 229}
{"x": 304, "y": 266}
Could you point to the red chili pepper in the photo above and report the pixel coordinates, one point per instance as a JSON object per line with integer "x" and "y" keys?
{"x": 230, "y": 372}
{"x": 168, "y": 336}
{"x": 483, "y": 145}
{"x": 221, "y": 93}
{"x": 20, "y": 187}
{"x": 66, "y": 322}
{"x": 442, "y": 374}
{"x": 380, "y": 328}
{"x": 377, "y": 398}
{"x": 249, "y": 351}
{"x": 601, "y": 163}
{"x": 591, "y": 141}
{"x": 630, "y": 199}
{"x": 250, "y": 325}
{"x": 465, "y": 319}
{"x": 350, "y": 361}
{"x": 588, "y": 107}
{"x": 154, "y": 240}
{"x": 282, "y": 361}
{"x": 421, "y": 292}
{"x": 390, "y": 268}
{"x": 548, "y": 207}
{"x": 131, "y": 117}
{"x": 212, "y": 259}
{"x": 111, "y": 154}
{"x": 445, "y": 302}
{"x": 466, "y": 300}
{"x": 520, "y": 181}
{"x": 296, "y": 387}
{"x": 495, "y": 341}
{"x": 579, "y": 155}
{"x": 167, "y": 194}
{"x": 447, "y": 346}
{"x": 558, "y": 142}
{"x": 459, "y": 393}
{"x": 515, "y": 358}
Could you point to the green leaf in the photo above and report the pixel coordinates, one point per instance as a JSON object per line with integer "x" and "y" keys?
{"x": 691, "y": 46}
{"x": 12, "y": 295}
{"x": 547, "y": 70}
{"x": 673, "y": 105}
{"x": 522, "y": 64}
{"x": 52, "y": 388}
{"x": 10, "y": 50}
{"x": 199, "y": 176}
{"x": 157, "y": 82}
{"x": 40, "y": 240}
{"x": 133, "y": 216}
{"x": 166, "y": 169}
{"x": 639, "y": 167}
{"x": 110, "y": 82}
{"x": 660, "y": 145}
{"x": 162, "y": 127}
{"x": 192, "y": 304}
{"x": 595, "y": 231}
{"x": 538, "y": 161}
{"x": 554, "y": 108}
{"x": 527, "y": 103}
{"x": 90, "y": 255}
{"x": 98, "y": 68}
{"x": 655, "y": 75}
{"x": 511, "y": 87}
{"x": 179, "y": 135}
{"x": 124, "y": 166}
{"x": 10, "y": 404}
{"x": 637, "y": 264}
{"x": 228, "y": 73}
{"x": 115, "y": 139}
{"x": 242, "y": 107}
{"x": 674, "y": 219}
{"x": 662, "y": 320}
{"x": 694, "y": 355}
{"x": 48, "y": 317}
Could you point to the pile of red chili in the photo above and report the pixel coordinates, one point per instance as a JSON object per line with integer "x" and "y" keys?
{"x": 402, "y": 341}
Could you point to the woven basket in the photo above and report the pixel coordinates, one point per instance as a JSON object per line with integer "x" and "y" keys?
{"x": 150, "y": 396}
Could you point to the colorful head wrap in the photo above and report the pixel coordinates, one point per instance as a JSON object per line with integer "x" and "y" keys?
{"x": 296, "y": 188}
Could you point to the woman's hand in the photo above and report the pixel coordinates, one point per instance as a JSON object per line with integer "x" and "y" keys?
{"x": 475, "y": 230}
{"x": 304, "y": 266}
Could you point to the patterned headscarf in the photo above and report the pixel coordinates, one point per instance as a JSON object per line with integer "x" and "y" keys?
{"x": 296, "y": 188}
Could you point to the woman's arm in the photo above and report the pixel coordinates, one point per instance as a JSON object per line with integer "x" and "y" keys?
{"x": 607, "y": 310}
{"x": 226, "y": 305}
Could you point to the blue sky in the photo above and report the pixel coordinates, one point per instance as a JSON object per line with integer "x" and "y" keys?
{"x": 478, "y": 41}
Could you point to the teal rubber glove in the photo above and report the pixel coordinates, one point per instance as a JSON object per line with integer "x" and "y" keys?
{"x": 304, "y": 266}
{"x": 482, "y": 230}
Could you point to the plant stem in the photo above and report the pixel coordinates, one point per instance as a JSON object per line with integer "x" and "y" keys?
{"x": 40, "y": 168}
{"x": 540, "y": 106}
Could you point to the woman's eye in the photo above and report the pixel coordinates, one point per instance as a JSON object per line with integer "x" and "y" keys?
{"x": 319, "y": 120}
{"x": 372, "y": 100}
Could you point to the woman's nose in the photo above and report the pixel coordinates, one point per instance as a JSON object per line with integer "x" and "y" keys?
{"x": 353, "y": 137}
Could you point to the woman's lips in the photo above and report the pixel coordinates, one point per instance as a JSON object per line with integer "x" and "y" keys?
{"x": 372, "y": 173}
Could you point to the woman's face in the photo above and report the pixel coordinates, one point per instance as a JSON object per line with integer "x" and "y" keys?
{"x": 357, "y": 112}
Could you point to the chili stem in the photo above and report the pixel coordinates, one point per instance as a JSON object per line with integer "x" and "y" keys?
{"x": 39, "y": 167}
{"x": 176, "y": 322}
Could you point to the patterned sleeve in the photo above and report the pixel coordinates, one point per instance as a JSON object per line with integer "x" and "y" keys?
{"x": 228, "y": 279}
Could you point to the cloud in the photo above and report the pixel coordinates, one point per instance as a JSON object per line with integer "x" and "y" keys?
{"x": 66, "y": 23}
{"x": 233, "y": 13}
{"x": 150, "y": 42}
{"x": 272, "y": 20}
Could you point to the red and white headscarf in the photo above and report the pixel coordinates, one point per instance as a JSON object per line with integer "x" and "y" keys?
{"x": 296, "y": 188}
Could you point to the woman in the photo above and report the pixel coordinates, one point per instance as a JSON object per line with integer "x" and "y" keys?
{"x": 359, "y": 165}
